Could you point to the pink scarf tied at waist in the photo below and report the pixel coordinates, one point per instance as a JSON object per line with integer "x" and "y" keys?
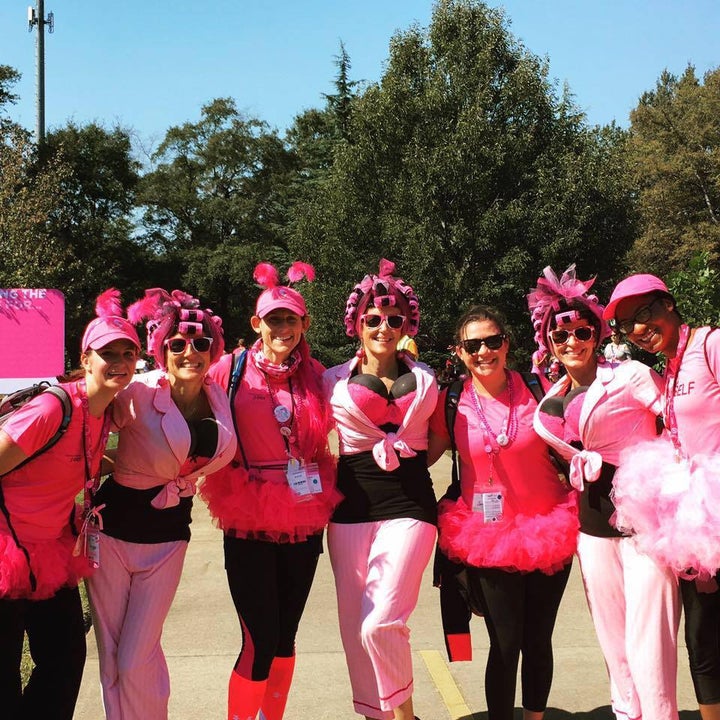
{"x": 359, "y": 434}
{"x": 171, "y": 493}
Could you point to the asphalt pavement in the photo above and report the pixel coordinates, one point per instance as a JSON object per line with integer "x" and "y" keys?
{"x": 202, "y": 639}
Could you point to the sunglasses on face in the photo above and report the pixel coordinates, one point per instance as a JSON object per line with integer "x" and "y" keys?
{"x": 473, "y": 345}
{"x": 199, "y": 344}
{"x": 376, "y": 320}
{"x": 641, "y": 316}
{"x": 581, "y": 334}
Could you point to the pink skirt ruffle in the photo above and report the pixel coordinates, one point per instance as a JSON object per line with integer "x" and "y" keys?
{"x": 523, "y": 543}
{"x": 672, "y": 507}
{"x": 52, "y": 562}
{"x": 253, "y": 507}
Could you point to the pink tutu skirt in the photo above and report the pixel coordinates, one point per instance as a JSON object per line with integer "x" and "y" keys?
{"x": 672, "y": 507}
{"x": 522, "y": 543}
{"x": 52, "y": 562}
{"x": 264, "y": 506}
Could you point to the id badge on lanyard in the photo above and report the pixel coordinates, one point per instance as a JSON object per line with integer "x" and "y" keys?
{"x": 303, "y": 479}
{"x": 490, "y": 504}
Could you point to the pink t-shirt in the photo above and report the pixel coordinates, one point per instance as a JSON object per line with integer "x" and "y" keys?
{"x": 697, "y": 395}
{"x": 32, "y": 425}
{"x": 523, "y": 469}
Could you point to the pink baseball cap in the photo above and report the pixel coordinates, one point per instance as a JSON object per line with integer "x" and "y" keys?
{"x": 104, "y": 330}
{"x": 280, "y": 296}
{"x": 630, "y": 287}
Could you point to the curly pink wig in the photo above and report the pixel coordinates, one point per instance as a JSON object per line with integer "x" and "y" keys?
{"x": 384, "y": 290}
{"x": 169, "y": 313}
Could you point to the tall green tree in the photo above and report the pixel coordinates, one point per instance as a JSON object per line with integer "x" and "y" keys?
{"x": 29, "y": 189}
{"x": 465, "y": 167}
{"x": 675, "y": 158}
{"x": 92, "y": 221}
{"x": 216, "y": 204}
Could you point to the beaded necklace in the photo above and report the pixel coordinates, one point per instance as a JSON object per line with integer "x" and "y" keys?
{"x": 496, "y": 442}
{"x": 671, "y": 373}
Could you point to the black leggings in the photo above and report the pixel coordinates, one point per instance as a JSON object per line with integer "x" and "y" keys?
{"x": 269, "y": 583}
{"x": 702, "y": 637}
{"x": 520, "y": 611}
{"x": 56, "y": 633}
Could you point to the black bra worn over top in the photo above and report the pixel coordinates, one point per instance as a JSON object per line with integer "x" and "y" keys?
{"x": 406, "y": 383}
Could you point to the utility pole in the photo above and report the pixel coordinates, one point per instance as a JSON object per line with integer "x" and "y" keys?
{"x": 37, "y": 17}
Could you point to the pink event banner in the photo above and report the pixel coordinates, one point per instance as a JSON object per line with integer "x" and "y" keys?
{"x": 32, "y": 328}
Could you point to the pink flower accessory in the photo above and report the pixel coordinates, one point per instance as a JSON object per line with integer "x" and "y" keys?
{"x": 550, "y": 299}
{"x": 110, "y": 323}
{"x": 385, "y": 290}
{"x": 281, "y": 296}
{"x": 176, "y": 312}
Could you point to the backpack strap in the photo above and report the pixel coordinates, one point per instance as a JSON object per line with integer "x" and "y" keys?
{"x": 238, "y": 367}
{"x": 452, "y": 399}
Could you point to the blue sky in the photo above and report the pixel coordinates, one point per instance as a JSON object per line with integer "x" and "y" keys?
{"x": 150, "y": 64}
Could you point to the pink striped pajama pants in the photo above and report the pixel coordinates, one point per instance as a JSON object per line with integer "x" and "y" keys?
{"x": 378, "y": 567}
{"x": 130, "y": 597}
{"x": 635, "y": 607}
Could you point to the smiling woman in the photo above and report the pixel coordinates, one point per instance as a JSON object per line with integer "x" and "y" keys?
{"x": 174, "y": 426}
{"x": 39, "y": 568}
{"x": 274, "y": 500}
{"x": 595, "y": 417}
{"x": 382, "y": 534}
{"x": 510, "y": 522}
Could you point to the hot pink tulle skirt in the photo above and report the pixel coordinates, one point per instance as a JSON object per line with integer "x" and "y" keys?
{"x": 523, "y": 543}
{"x": 52, "y": 562}
{"x": 672, "y": 507}
{"x": 265, "y": 507}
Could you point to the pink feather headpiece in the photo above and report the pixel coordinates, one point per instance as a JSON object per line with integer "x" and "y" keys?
{"x": 551, "y": 295}
{"x": 385, "y": 290}
{"x": 110, "y": 323}
{"x": 281, "y": 296}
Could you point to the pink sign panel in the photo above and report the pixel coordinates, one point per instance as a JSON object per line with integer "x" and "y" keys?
{"x": 32, "y": 327}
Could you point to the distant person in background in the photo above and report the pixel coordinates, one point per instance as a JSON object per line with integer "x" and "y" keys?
{"x": 617, "y": 350}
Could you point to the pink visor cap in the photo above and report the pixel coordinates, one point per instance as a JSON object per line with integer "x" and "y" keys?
{"x": 104, "y": 330}
{"x": 630, "y": 287}
{"x": 283, "y": 297}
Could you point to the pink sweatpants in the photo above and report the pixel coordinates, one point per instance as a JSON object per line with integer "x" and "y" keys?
{"x": 130, "y": 597}
{"x": 378, "y": 568}
{"x": 635, "y": 607}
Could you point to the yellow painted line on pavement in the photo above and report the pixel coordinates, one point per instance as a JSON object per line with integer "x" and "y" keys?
{"x": 449, "y": 691}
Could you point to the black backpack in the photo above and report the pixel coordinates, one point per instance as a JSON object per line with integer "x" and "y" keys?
{"x": 8, "y": 405}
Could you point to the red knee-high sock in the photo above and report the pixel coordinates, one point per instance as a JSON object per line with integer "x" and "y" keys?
{"x": 278, "y": 687}
{"x": 244, "y": 697}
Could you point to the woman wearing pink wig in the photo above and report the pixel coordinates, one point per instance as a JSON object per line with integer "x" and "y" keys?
{"x": 41, "y": 562}
{"x": 594, "y": 416}
{"x": 676, "y": 513}
{"x": 174, "y": 427}
{"x": 274, "y": 500}
{"x": 382, "y": 534}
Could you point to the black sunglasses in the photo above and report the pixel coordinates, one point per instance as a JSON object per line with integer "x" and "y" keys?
{"x": 199, "y": 344}
{"x": 373, "y": 320}
{"x": 641, "y": 316}
{"x": 491, "y": 342}
{"x": 582, "y": 334}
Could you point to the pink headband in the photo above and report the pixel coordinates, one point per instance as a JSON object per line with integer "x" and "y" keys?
{"x": 386, "y": 291}
{"x": 167, "y": 313}
{"x": 550, "y": 299}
